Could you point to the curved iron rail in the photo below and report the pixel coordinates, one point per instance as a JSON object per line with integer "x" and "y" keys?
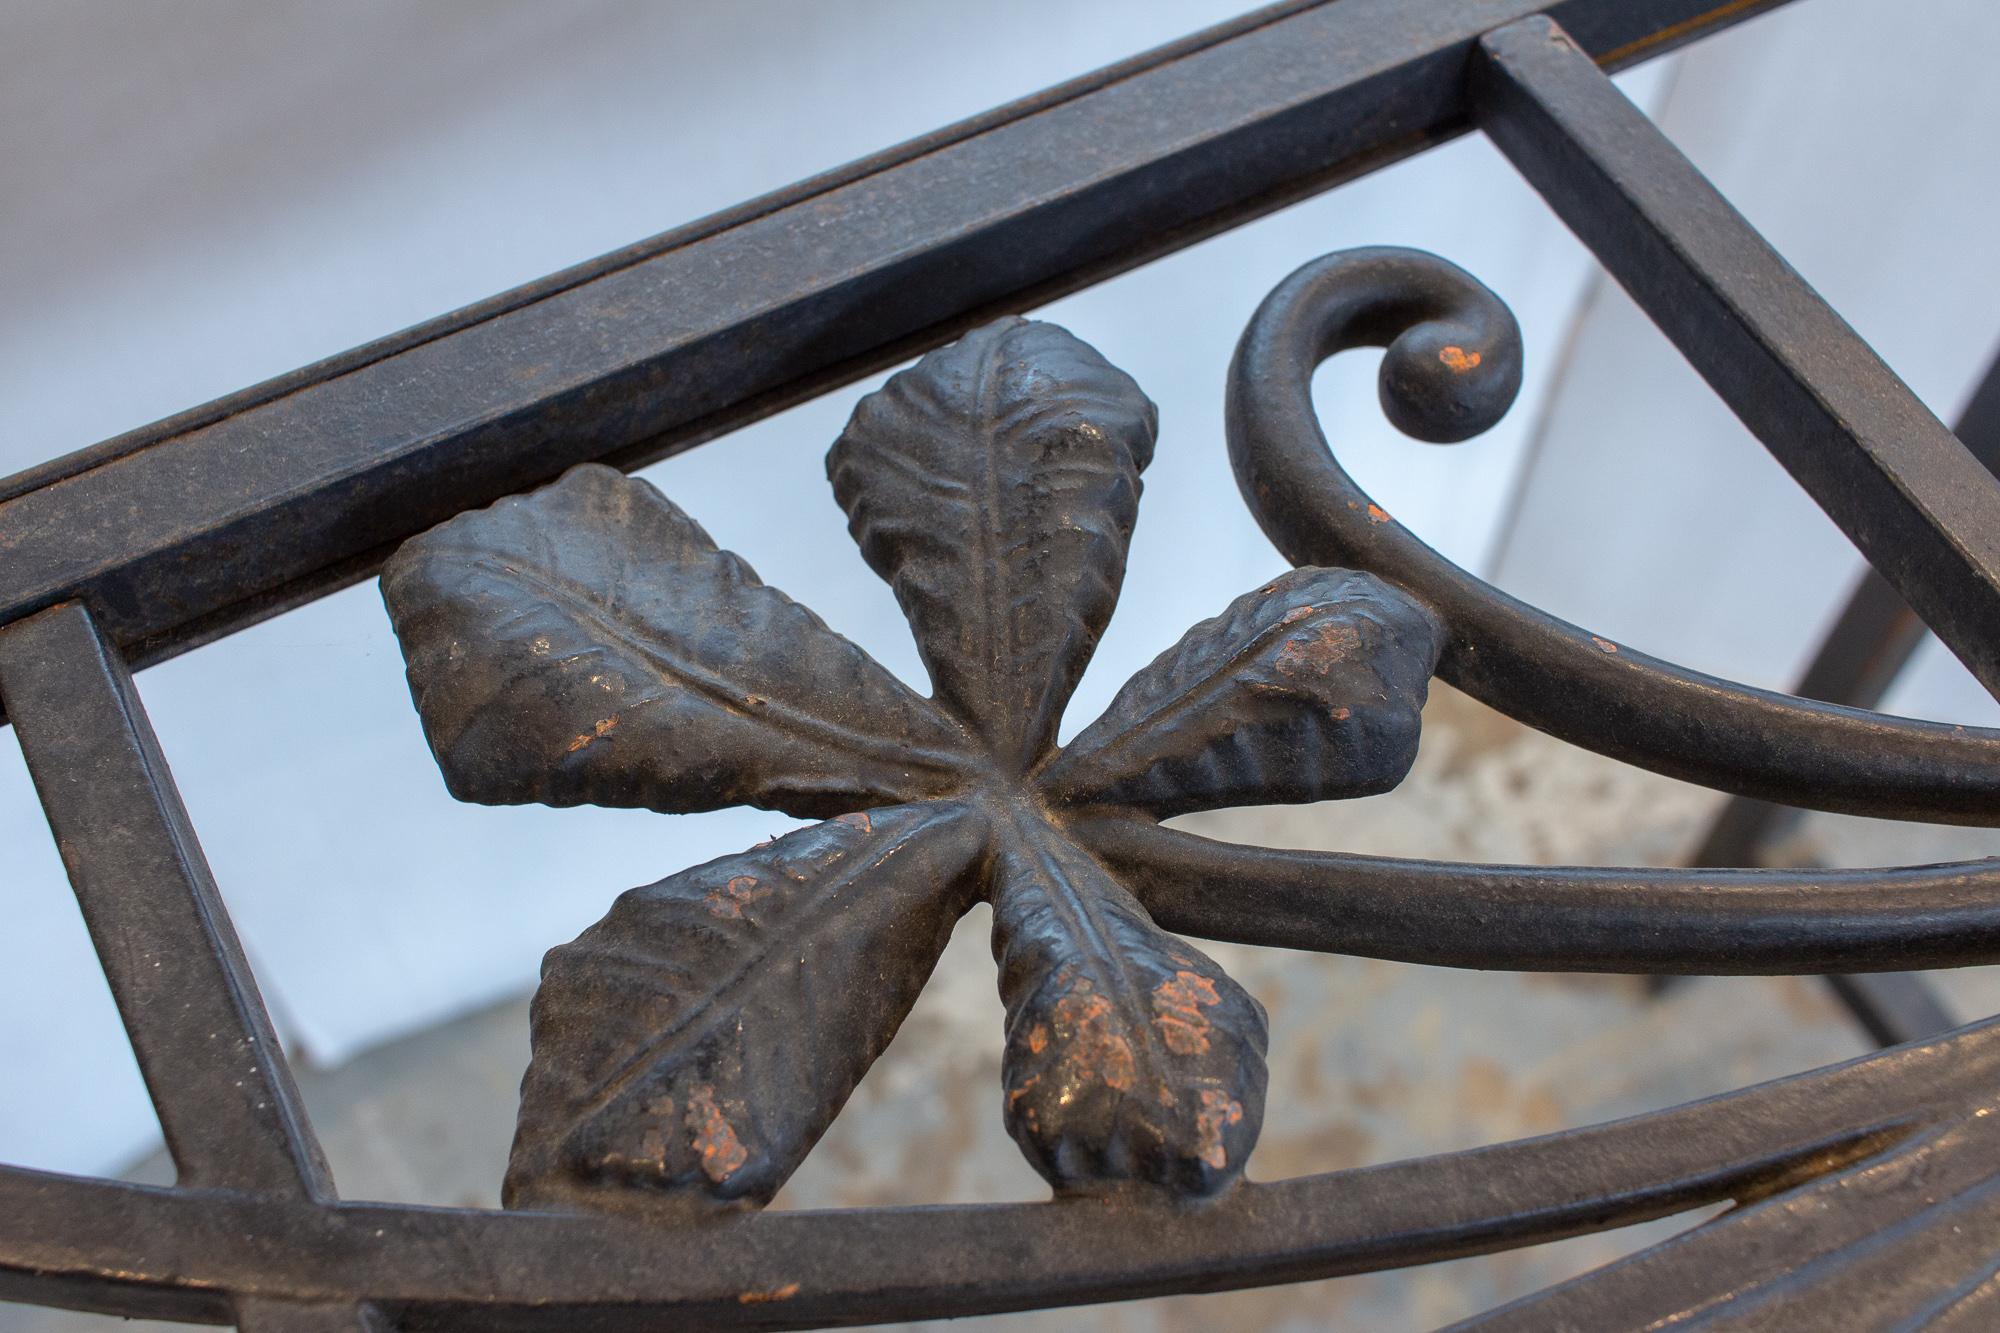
{"x": 460, "y": 1268}
{"x": 1560, "y": 918}
{"x": 1548, "y": 673}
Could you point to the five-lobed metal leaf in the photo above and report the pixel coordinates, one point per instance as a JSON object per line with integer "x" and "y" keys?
{"x": 1309, "y": 688}
{"x": 1130, "y": 1056}
{"x": 587, "y": 642}
{"x": 994, "y": 485}
{"x": 698, "y": 1040}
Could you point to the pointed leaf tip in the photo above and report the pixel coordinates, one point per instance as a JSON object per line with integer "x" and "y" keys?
{"x": 695, "y": 1043}
{"x": 587, "y": 643}
{"x": 1131, "y": 1056}
{"x": 995, "y": 484}
{"x": 1309, "y": 688}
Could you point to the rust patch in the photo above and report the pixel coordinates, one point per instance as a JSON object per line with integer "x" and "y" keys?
{"x": 1218, "y": 1111}
{"x": 1318, "y": 652}
{"x": 1038, "y": 1039}
{"x": 729, "y": 901}
{"x": 784, "y": 1293}
{"x": 1095, "y": 1048}
{"x": 1296, "y": 614}
{"x": 1604, "y": 644}
{"x": 1377, "y": 514}
{"x": 602, "y": 728}
{"x": 1342, "y": 714}
{"x": 714, "y": 1139}
{"x": 859, "y": 819}
{"x": 1177, "y": 1006}
{"x": 1457, "y": 359}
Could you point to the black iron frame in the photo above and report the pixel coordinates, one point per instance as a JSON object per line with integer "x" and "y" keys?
{"x": 151, "y": 543}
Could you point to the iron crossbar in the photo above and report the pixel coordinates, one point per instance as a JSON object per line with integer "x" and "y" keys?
{"x": 178, "y": 533}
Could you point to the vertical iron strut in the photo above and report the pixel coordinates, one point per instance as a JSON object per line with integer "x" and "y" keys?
{"x": 224, "y": 1094}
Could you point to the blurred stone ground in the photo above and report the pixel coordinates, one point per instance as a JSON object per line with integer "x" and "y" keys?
{"x": 1370, "y": 1061}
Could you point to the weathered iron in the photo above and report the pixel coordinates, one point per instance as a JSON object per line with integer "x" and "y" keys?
{"x": 586, "y": 643}
{"x": 589, "y": 643}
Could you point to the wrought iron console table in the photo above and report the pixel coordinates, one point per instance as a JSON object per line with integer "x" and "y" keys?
{"x": 1866, "y": 1194}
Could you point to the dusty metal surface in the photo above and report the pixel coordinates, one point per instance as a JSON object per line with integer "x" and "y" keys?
{"x": 587, "y": 643}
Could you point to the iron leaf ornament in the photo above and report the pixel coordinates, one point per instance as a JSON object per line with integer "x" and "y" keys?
{"x": 588, "y": 643}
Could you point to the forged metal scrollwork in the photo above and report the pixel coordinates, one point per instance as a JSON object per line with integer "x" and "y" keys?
{"x": 1451, "y": 369}
{"x": 588, "y": 643}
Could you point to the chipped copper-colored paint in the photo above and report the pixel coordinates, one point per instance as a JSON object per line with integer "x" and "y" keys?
{"x": 859, "y": 819}
{"x": 1095, "y": 1048}
{"x": 1038, "y": 1038}
{"x": 1177, "y": 1006}
{"x": 714, "y": 1138}
{"x": 1604, "y": 644}
{"x": 602, "y": 727}
{"x": 1377, "y": 514}
{"x": 1319, "y": 651}
{"x": 1296, "y": 614}
{"x": 729, "y": 901}
{"x": 784, "y": 1293}
{"x": 1457, "y": 359}
{"x": 1218, "y": 1111}
{"x": 1342, "y": 714}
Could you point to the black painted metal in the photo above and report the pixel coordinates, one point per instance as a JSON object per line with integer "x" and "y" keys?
{"x": 1555, "y": 676}
{"x": 531, "y": 1270}
{"x": 1866, "y": 1192}
{"x": 589, "y": 643}
{"x": 217, "y": 1076}
{"x": 1870, "y": 643}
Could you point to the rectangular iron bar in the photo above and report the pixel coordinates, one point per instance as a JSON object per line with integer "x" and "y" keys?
{"x": 190, "y": 529}
{"x": 219, "y": 1081}
{"x": 1909, "y": 495}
